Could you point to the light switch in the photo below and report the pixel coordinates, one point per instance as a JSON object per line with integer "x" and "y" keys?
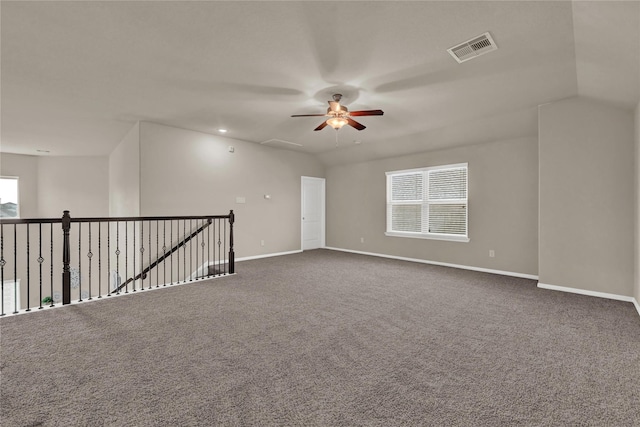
{"x": 241, "y": 200}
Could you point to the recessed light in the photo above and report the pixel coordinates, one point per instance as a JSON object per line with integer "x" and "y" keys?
{"x": 223, "y": 130}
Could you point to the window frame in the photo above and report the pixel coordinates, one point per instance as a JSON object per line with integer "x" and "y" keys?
{"x": 425, "y": 203}
{"x": 17, "y": 180}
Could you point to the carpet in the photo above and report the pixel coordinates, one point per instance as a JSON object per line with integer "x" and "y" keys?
{"x": 325, "y": 338}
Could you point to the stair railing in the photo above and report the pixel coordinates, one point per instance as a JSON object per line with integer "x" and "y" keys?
{"x": 96, "y": 253}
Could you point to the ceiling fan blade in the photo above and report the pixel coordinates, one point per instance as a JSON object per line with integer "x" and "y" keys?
{"x": 308, "y": 115}
{"x": 355, "y": 124}
{"x": 322, "y": 125}
{"x": 367, "y": 113}
{"x": 334, "y": 106}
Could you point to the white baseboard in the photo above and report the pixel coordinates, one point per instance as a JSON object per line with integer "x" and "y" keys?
{"x": 247, "y": 258}
{"x": 591, "y": 293}
{"x": 444, "y": 264}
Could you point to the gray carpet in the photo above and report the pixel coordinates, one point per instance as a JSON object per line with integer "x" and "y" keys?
{"x": 326, "y": 338}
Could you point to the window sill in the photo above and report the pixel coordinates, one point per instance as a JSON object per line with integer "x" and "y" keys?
{"x": 450, "y": 238}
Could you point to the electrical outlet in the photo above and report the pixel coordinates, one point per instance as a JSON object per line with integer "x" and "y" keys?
{"x": 261, "y": 242}
{"x": 362, "y": 240}
{"x": 492, "y": 253}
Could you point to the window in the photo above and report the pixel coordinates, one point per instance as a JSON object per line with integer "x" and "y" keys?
{"x": 428, "y": 203}
{"x": 9, "y": 197}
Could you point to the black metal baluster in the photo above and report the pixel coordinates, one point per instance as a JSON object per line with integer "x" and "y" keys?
{"x": 15, "y": 269}
{"x": 118, "y": 256}
{"x": 134, "y": 257}
{"x": 191, "y": 250}
{"x": 202, "y": 254}
{"x": 79, "y": 262}
{"x": 100, "y": 259}
{"x": 171, "y": 242}
{"x": 178, "y": 251}
{"x": 2, "y": 264}
{"x": 224, "y": 245}
{"x": 184, "y": 252}
{"x": 126, "y": 256}
{"x": 164, "y": 252}
{"x": 40, "y": 260}
{"x": 28, "y": 270}
{"x": 201, "y": 248}
{"x": 149, "y": 266}
{"x": 232, "y": 254}
{"x": 209, "y": 248}
{"x": 158, "y": 253}
{"x": 141, "y": 256}
{"x": 219, "y": 247}
{"x": 51, "y": 264}
{"x": 90, "y": 256}
{"x": 109, "y": 258}
{"x": 215, "y": 260}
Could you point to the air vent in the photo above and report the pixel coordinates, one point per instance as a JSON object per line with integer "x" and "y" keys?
{"x": 473, "y": 48}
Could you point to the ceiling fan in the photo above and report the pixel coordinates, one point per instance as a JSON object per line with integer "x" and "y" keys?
{"x": 339, "y": 115}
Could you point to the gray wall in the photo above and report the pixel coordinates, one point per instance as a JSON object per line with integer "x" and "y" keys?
{"x": 50, "y": 184}
{"x": 192, "y": 173}
{"x": 586, "y": 196}
{"x": 503, "y": 207}
{"x": 77, "y": 184}
{"x": 124, "y": 175}
{"x": 26, "y": 169}
{"x": 637, "y": 219}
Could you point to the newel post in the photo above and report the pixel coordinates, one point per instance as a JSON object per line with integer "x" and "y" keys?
{"x": 232, "y": 255}
{"x": 66, "y": 258}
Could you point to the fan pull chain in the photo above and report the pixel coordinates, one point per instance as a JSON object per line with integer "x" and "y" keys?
{"x": 337, "y": 137}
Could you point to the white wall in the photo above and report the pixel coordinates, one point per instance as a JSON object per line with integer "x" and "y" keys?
{"x": 586, "y": 196}
{"x": 77, "y": 184}
{"x": 503, "y": 207}
{"x": 192, "y": 173}
{"x": 124, "y": 175}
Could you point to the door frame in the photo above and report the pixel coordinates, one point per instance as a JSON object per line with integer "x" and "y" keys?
{"x": 322, "y": 209}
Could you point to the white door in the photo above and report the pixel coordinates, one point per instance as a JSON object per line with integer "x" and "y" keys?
{"x": 312, "y": 213}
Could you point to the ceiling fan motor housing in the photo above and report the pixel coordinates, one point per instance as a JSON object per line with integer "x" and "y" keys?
{"x": 339, "y": 115}
{"x": 342, "y": 111}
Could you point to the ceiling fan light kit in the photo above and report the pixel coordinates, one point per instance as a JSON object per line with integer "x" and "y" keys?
{"x": 337, "y": 122}
{"x": 340, "y": 116}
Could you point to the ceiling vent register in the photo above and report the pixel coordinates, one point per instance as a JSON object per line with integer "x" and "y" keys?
{"x": 473, "y": 48}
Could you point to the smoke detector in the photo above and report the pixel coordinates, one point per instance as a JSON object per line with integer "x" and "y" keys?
{"x": 473, "y": 48}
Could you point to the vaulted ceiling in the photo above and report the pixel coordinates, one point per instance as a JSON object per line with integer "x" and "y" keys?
{"x": 75, "y": 76}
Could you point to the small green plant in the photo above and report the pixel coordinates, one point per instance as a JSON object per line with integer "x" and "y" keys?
{"x": 47, "y": 300}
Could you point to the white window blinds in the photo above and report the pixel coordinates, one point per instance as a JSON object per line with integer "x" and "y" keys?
{"x": 407, "y": 194}
{"x": 428, "y": 202}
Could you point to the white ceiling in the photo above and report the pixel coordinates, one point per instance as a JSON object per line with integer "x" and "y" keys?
{"x": 77, "y": 75}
